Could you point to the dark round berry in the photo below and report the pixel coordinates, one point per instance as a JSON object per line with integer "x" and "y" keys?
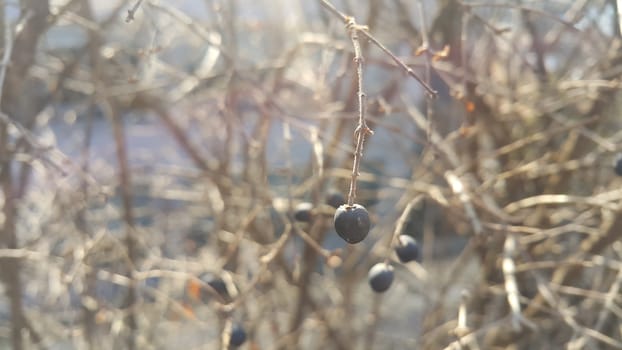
{"x": 352, "y": 222}
{"x": 302, "y": 212}
{"x": 407, "y": 249}
{"x": 617, "y": 165}
{"x": 217, "y": 284}
{"x": 380, "y": 277}
{"x": 238, "y": 335}
{"x": 335, "y": 199}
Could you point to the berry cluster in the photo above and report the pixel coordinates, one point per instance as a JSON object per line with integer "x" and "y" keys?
{"x": 352, "y": 224}
{"x": 380, "y": 276}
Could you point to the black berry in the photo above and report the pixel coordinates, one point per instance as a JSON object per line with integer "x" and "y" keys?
{"x": 217, "y": 285}
{"x": 352, "y": 222}
{"x": 407, "y": 249}
{"x": 380, "y": 277}
{"x": 335, "y": 199}
{"x": 302, "y": 212}
{"x": 617, "y": 165}
{"x": 238, "y": 335}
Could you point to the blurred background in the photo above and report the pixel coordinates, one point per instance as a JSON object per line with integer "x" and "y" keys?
{"x": 153, "y": 156}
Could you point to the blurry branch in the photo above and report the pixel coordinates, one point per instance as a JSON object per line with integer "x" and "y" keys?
{"x": 560, "y": 307}
{"x": 515, "y": 6}
{"x": 581, "y": 129}
{"x": 458, "y": 186}
{"x": 425, "y": 50}
{"x": 313, "y": 244}
{"x": 462, "y": 326}
{"x": 202, "y": 162}
{"x": 537, "y": 45}
{"x": 194, "y": 28}
{"x": 93, "y": 46}
{"x": 472, "y": 337}
{"x": 511, "y": 284}
{"x": 557, "y": 199}
{"x": 614, "y": 291}
{"x": 125, "y": 182}
{"x": 22, "y": 47}
{"x": 131, "y": 12}
{"x": 57, "y": 87}
{"x": 264, "y": 261}
{"x": 497, "y": 32}
{"x": 362, "y": 130}
{"x": 541, "y": 136}
{"x": 349, "y": 21}
{"x": 595, "y": 261}
{"x": 401, "y": 222}
{"x": 56, "y": 158}
{"x": 225, "y": 336}
{"x": 8, "y": 50}
{"x": 30, "y": 29}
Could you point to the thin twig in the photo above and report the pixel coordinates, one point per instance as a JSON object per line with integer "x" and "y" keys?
{"x": 125, "y": 184}
{"x": 603, "y": 315}
{"x": 511, "y": 285}
{"x": 429, "y": 90}
{"x": 363, "y": 30}
{"x": 425, "y": 44}
{"x": 361, "y": 129}
{"x": 8, "y": 50}
{"x": 514, "y": 6}
{"x": 463, "y": 327}
{"x": 399, "y": 226}
{"x": 131, "y": 12}
{"x": 53, "y": 156}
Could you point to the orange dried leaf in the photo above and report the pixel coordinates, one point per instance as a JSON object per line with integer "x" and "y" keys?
{"x": 470, "y": 106}
{"x": 194, "y": 289}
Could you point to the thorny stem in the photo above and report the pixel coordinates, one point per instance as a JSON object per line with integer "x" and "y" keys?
{"x": 361, "y": 129}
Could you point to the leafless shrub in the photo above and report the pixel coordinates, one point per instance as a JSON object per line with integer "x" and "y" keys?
{"x": 147, "y": 146}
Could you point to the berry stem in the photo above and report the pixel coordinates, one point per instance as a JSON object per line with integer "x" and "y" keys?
{"x": 361, "y": 129}
{"x": 399, "y": 226}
